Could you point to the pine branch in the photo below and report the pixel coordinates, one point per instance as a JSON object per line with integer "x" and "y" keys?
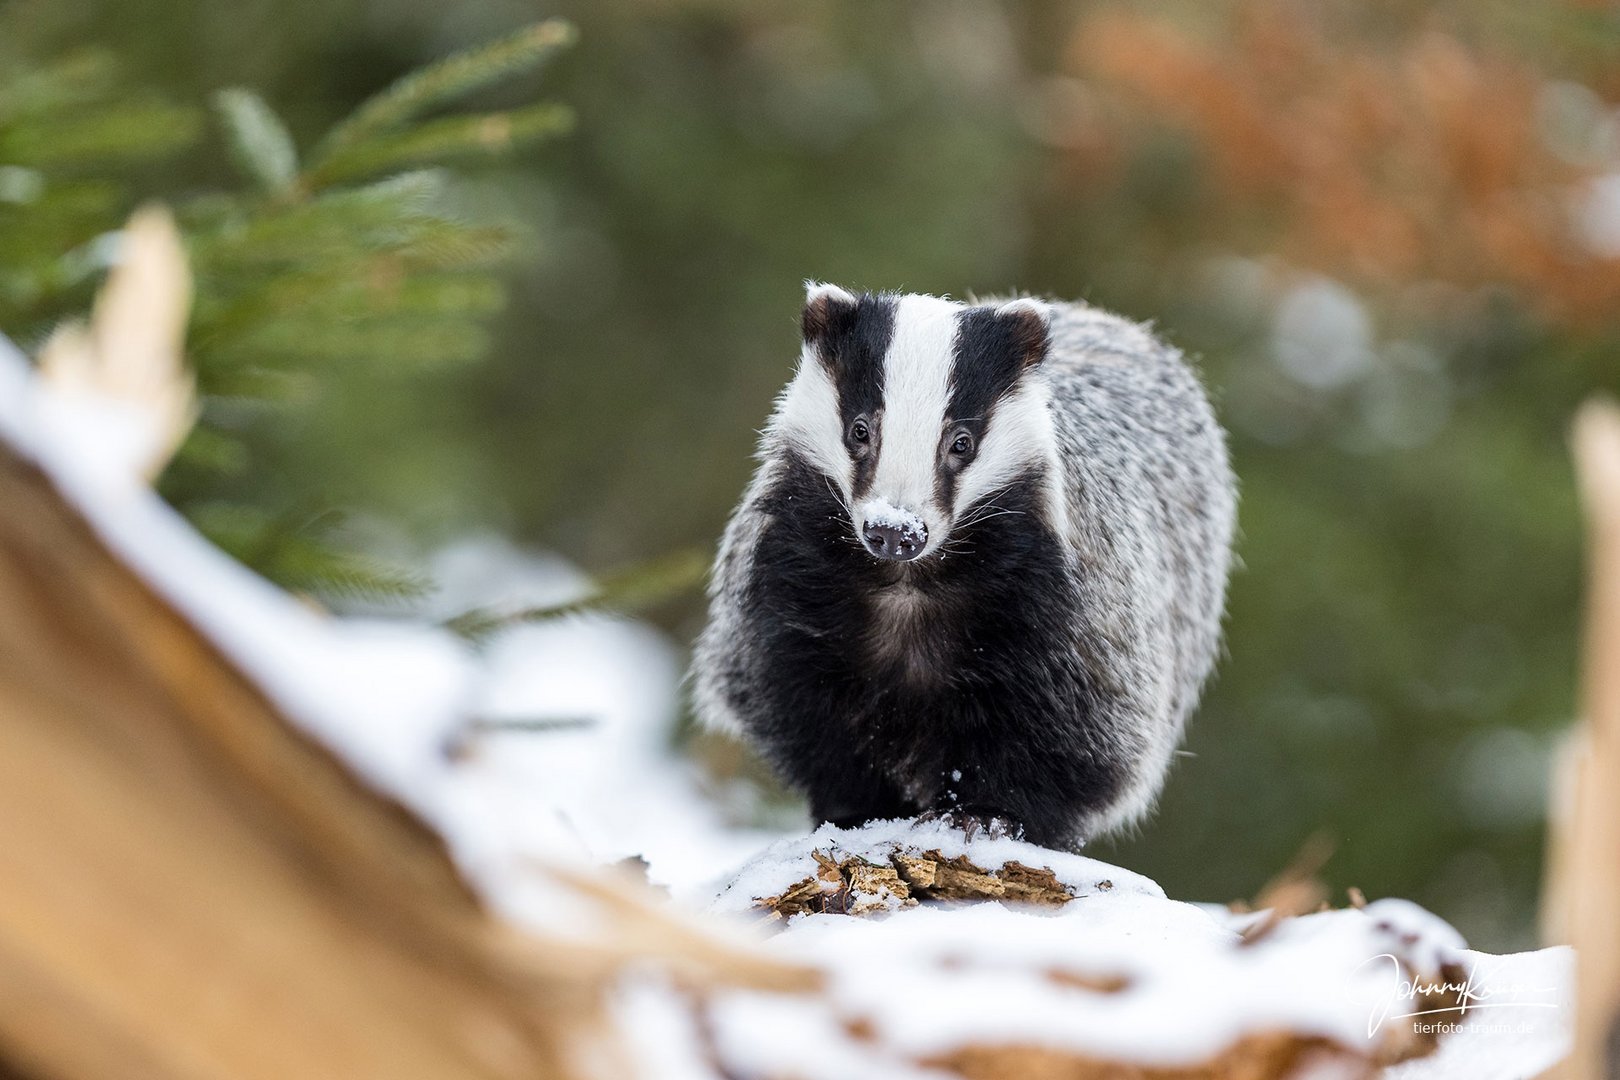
{"x": 483, "y": 135}
{"x": 449, "y": 78}
{"x": 370, "y": 287}
{"x": 120, "y": 131}
{"x": 80, "y": 78}
{"x": 294, "y": 549}
{"x": 259, "y": 141}
{"x": 68, "y": 132}
{"x": 630, "y": 590}
{"x": 385, "y": 217}
{"x": 299, "y": 271}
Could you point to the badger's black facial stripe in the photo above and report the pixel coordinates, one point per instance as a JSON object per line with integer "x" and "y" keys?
{"x": 852, "y": 341}
{"x": 990, "y": 352}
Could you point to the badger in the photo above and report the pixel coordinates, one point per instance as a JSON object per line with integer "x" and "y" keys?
{"x": 980, "y": 571}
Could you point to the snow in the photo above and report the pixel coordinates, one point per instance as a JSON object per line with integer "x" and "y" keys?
{"x": 885, "y": 514}
{"x": 1519, "y": 1035}
{"x": 773, "y": 870}
{"x": 393, "y": 697}
{"x": 772, "y": 1035}
{"x": 660, "y": 1032}
{"x": 607, "y": 771}
{"x": 933, "y": 979}
{"x": 377, "y": 693}
{"x": 1120, "y": 971}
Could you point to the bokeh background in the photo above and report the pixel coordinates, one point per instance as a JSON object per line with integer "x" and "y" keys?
{"x": 1389, "y": 231}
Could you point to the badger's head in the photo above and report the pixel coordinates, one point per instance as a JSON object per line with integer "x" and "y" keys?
{"x": 918, "y": 410}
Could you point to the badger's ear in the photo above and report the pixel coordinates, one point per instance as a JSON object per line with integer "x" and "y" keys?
{"x": 1029, "y": 328}
{"x": 826, "y": 308}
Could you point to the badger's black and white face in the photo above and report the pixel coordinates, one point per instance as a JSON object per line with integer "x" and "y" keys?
{"x": 918, "y": 410}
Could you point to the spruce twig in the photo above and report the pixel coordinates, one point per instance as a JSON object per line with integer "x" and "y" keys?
{"x": 639, "y": 587}
{"x": 449, "y": 78}
{"x": 302, "y": 269}
{"x": 481, "y": 135}
{"x": 259, "y": 141}
{"x": 124, "y": 131}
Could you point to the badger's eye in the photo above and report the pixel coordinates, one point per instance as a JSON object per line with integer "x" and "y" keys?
{"x": 859, "y": 432}
{"x": 963, "y": 444}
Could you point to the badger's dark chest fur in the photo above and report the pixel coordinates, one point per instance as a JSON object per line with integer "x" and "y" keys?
{"x": 930, "y": 682}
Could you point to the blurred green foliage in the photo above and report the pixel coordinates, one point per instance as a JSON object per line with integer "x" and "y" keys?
{"x": 337, "y": 263}
{"x": 1401, "y": 636}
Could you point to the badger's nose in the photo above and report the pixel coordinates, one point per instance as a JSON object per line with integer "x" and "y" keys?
{"x": 898, "y": 542}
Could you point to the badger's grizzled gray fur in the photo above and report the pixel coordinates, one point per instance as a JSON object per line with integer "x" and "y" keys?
{"x": 981, "y": 567}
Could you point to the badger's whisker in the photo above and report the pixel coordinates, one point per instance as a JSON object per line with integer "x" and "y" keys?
{"x": 989, "y": 509}
{"x": 838, "y": 497}
{"x": 998, "y": 512}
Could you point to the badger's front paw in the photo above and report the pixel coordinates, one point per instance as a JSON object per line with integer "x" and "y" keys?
{"x": 977, "y": 821}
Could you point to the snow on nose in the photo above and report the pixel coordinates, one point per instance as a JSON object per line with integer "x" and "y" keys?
{"x": 892, "y": 533}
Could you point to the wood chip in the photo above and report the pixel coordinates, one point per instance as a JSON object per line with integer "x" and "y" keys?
{"x": 851, "y": 885}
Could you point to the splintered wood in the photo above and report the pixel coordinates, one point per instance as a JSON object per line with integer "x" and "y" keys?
{"x": 1582, "y": 903}
{"x": 853, "y": 885}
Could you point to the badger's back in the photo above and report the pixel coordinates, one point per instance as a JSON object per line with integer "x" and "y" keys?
{"x": 1151, "y": 506}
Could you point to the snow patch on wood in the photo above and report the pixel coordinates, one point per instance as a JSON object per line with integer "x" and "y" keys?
{"x": 892, "y": 864}
{"x": 1092, "y": 970}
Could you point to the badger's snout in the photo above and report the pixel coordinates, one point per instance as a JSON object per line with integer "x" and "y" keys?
{"x": 899, "y": 541}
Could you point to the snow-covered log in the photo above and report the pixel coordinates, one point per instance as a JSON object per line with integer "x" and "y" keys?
{"x": 1100, "y": 975}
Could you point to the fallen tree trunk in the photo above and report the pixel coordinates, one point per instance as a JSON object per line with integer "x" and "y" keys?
{"x": 193, "y": 888}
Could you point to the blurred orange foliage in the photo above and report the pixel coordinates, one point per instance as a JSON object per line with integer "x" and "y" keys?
{"x": 1385, "y": 163}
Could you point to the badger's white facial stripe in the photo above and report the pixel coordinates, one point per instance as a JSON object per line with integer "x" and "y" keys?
{"x": 807, "y": 417}
{"x": 916, "y": 394}
{"x": 1020, "y": 435}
